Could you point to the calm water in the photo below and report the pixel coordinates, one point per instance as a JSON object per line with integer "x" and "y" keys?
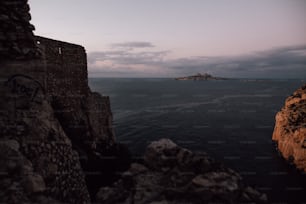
{"x": 233, "y": 121}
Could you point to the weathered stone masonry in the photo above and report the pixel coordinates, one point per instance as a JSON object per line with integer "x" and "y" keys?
{"x": 62, "y": 72}
{"x": 49, "y": 118}
{"x": 66, "y": 67}
{"x": 85, "y": 116}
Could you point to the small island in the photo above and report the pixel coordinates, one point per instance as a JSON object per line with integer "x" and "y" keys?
{"x": 200, "y": 77}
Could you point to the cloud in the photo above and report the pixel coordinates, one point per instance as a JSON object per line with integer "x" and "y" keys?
{"x": 284, "y": 62}
{"x": 127, "y": 62}
{"x": 100, "y": 56}
{"x": 276, "y": 63}
{"x": 128, "y": 58}
{"x": 132, "y": 45}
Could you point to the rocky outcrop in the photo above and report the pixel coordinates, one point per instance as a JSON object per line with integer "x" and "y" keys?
{"x": 172, "y": 174}
{"x": 290, "y": 129}
{"x": 16, "y": 36}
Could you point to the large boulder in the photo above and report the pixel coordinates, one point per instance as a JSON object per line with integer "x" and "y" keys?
{"x": 171, "y": 174}
{"x": 290, "y": 129}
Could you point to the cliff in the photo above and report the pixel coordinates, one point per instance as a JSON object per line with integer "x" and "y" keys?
{"x": 57, "y": 144}
{"x": 290, "y": 129}
{"x": 56, "y": 135}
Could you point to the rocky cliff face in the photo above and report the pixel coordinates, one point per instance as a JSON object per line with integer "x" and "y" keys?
{"x": 54, "y": 145}
{"x": 290, "y": 129}
{"x": 38, "y": 157}
{"x": 56, "y": 135}
{"x": 16, "y": 36}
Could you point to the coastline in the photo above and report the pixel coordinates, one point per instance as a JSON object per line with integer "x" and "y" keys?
{"x": 58, "y": 142}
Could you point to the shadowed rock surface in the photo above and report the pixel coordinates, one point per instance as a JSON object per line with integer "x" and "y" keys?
{"x": 172, "y": 174}
{"x": 46, "y": 161}
{"x": 290, "y": 129}
{"x": 16, "y": 36}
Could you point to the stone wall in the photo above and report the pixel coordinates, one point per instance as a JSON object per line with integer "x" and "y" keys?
{"x": 66, "y": 67}
{"x": 85, "y": 116}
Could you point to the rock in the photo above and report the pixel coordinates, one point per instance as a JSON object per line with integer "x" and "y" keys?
{"x": 200, "y": 181}
{"x": 45, "y": 200}
{"x": 105, "y": 194}
{"x": 34, "y": 184}
{"x": 11, "y": 160}
{"x": 161, "y": 153}
{"x": 13, "y": 144}
{"x": 137, "y": 168}
{"x": 255, "y": 195}
{"x": 160, "y": 202}
{"x": 53, "y": 168}
{"x": 220, "y": 184}
{"x": 16, "y": 24}
{"x": 290, "y": 129}
{"x": 45, "y": 159}
{"x": 182, "y": 182}
{"x": 108, "y": 195}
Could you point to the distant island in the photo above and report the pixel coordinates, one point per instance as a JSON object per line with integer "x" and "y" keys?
{"x": 199, "y": 77}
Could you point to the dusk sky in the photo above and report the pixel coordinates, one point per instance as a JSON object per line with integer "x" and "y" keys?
{"x": 170, "y": 38}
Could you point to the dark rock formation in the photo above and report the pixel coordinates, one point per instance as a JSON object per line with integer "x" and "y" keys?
{"x": 290, "y": 129}
{"x": 53, "y": 166}
{"x": 16, "y": 37}
{"x": 171, "y": 174}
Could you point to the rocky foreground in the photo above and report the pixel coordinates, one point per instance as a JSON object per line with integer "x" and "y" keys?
{"x": 174, "y": 175}
{"x": 290, "y": 129}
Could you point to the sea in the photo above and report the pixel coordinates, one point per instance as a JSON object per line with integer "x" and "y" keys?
{"x": 231, "y": 120}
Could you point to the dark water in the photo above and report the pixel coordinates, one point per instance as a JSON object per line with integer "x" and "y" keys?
{"x": 233, "y": 121}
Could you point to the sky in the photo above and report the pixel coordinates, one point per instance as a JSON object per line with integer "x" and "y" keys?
{"x": 170, "y": 38}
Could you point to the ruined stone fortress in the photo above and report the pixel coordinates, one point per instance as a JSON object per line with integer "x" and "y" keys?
{"x": 51, "y": 123}
{"x": 54, "y": 63}
{"x": 60, "y": 68}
